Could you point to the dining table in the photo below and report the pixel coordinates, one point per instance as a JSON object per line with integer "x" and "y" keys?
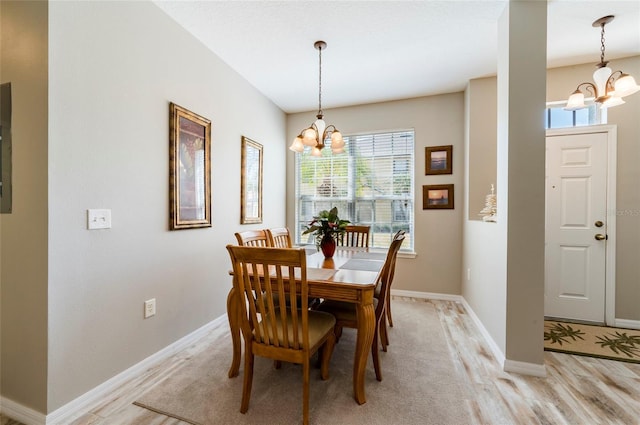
{"x": 350, "y": 275}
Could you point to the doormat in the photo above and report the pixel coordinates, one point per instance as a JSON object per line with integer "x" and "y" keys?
{"x": 594, "y": 341}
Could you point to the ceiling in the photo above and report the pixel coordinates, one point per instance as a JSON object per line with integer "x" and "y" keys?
{"x": 386, "y": 50}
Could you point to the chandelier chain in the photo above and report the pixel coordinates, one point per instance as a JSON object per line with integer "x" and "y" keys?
{"x": 320, "y": 81}
{"x": 602, "y": 44}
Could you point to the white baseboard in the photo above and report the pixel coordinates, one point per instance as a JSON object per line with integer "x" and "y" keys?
{"x": 91, "y": 399}
{"x": 427, "y": 295}
{"x": 628, "y": 324}
{"x": 495, "y": 350}
{"x": 507, "y": 365}
{"x": 21, "y": 413}
{"x": 524, "y": 368}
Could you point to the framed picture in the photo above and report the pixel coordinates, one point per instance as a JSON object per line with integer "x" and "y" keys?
{"x": 251, "y": 182}
{"x": 437, "y": 197}
{"x": 438, "y": 160}
{"x": 189, "y": 169}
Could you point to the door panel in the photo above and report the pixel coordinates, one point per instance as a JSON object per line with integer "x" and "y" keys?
{"x": 576, "y": 198}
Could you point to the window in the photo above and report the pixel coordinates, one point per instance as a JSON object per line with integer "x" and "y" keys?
{"x": 371, "y": 184}
{"x": 557, "y": 117}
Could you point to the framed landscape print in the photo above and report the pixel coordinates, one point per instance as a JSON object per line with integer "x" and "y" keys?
{"x": 189, "y": 169}
{"x": 251, "y": 182}
{"x": 437, "y": 196}
{"x": 438, "y": 159}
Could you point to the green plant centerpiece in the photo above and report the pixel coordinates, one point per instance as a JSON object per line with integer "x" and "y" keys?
{"x": 326, "y": 227}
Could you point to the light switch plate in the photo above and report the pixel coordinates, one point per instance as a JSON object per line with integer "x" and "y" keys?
{"x": 98, "y": 219}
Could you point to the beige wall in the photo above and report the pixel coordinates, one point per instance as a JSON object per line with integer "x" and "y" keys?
{"x": 113, "y": 69}
{"x": 482, "y": 147}
{"x": 23, "y": 233}
{"x": 437, "y": 120}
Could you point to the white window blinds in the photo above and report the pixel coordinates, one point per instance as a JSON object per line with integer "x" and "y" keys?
{"x": 371, "y": 184}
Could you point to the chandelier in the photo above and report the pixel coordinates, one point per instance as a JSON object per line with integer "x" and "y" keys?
{"x": 610, "y": 87}
{"x": 317, "y": 134}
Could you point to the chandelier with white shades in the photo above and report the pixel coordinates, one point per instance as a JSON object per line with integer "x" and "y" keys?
{"x": 318, "y": 133}
{"x": 608, "y": 87}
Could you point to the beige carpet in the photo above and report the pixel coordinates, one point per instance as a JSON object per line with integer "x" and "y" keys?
{"x": 595, "y": 341}
{"x": 420, "y": 384}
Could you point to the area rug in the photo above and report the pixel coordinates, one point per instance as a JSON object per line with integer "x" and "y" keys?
{"x": 595, "y": 341}
{"x": 420, "y": 383}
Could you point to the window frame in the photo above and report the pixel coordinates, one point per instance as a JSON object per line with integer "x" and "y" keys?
{"x": 355, "y": 202}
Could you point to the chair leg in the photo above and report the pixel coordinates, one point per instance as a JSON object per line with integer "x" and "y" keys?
{"x": 325, "y": 356}
{"x": 375, "y": 353}
{"x": 384, "y": 336}
{"x": 277, "y": 364}
{"x": 338, "y": 331}
{"x": 305, "y": 391}
{"x": 248, "y": 380}
{"x": 389, "y": 310}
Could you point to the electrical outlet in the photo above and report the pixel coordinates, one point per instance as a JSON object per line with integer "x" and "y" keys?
{"x": 149, "y": 308}
{"x": 469, "y": 274}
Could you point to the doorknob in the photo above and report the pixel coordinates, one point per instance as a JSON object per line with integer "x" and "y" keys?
{"x": 599, "y": 223}
{"x": 600, "y": 237}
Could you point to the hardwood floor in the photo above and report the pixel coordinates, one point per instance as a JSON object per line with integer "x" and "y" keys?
{"x": 577, "y": 390}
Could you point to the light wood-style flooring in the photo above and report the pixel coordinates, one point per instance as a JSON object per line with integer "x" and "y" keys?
{"x": 577, "y": 390}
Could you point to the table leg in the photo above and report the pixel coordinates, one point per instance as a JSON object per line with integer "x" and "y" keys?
{"x": 233, "y": 314}
{"x": 366, "y": 327}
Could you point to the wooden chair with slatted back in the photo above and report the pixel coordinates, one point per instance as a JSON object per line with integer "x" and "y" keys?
{"x": 346, "y": 315}
{"x": 279, "y": 237}
{"x": 355, "y": 235}
{"x": 252, "y": 238}
{"x": 273, "y": 328}
{"x": 384, "y": 337}
{"x": 389, "y": 318}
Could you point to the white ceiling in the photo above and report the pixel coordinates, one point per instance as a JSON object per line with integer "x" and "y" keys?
{"x": 386, "y": 50}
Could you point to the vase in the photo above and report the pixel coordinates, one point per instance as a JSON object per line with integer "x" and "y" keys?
{"x": 328, "y": 245}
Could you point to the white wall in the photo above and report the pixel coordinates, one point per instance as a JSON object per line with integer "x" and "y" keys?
{"x": 114, "y": 68}
{"x": 437, "y": 120}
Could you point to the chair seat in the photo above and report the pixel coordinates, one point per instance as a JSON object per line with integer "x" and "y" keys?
{"x": 319, "y": 324}
{"x": 341, "y": 310}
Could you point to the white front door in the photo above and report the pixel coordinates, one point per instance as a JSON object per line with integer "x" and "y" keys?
{"x": 576, "y": 225}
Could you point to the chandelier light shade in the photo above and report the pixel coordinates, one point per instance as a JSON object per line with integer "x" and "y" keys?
{"x": 316, "y": 135}
{"x": 608, "y": 87}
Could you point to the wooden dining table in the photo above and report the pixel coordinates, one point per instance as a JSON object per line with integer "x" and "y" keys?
{"x": 350, "y": 276}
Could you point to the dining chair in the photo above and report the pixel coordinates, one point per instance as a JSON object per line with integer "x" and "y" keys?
{"x": 355, "y": 235}
{"x": 275, "y": 329}
{"x": 279, "y": 237}
{"x": 252, "y": 238}
{"x": 377, "y": 294}
{"x": 346, "y": 315}
{"x": 384, "y": 335}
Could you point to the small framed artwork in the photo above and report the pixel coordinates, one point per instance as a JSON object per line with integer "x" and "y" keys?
{"x": 438, "y": 160}
{"x": 437, "y": 197}
{"x": 251, "y": 182}
{"x": 189, "y": 169}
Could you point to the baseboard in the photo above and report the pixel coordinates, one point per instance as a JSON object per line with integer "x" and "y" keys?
{"x": 627, "y": 324}
{"x": 495, "y": 350}
{"x": 524, "y": 368}
{"x": 91, "y": 399}
{"x": 21, "y": 413}
{"x": 426, "y": 295}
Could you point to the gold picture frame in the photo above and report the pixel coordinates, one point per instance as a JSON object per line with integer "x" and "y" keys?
{"x": 251, "y": 182}
{"x": 437, "y": 197}
{"x": 189, "y": 169}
